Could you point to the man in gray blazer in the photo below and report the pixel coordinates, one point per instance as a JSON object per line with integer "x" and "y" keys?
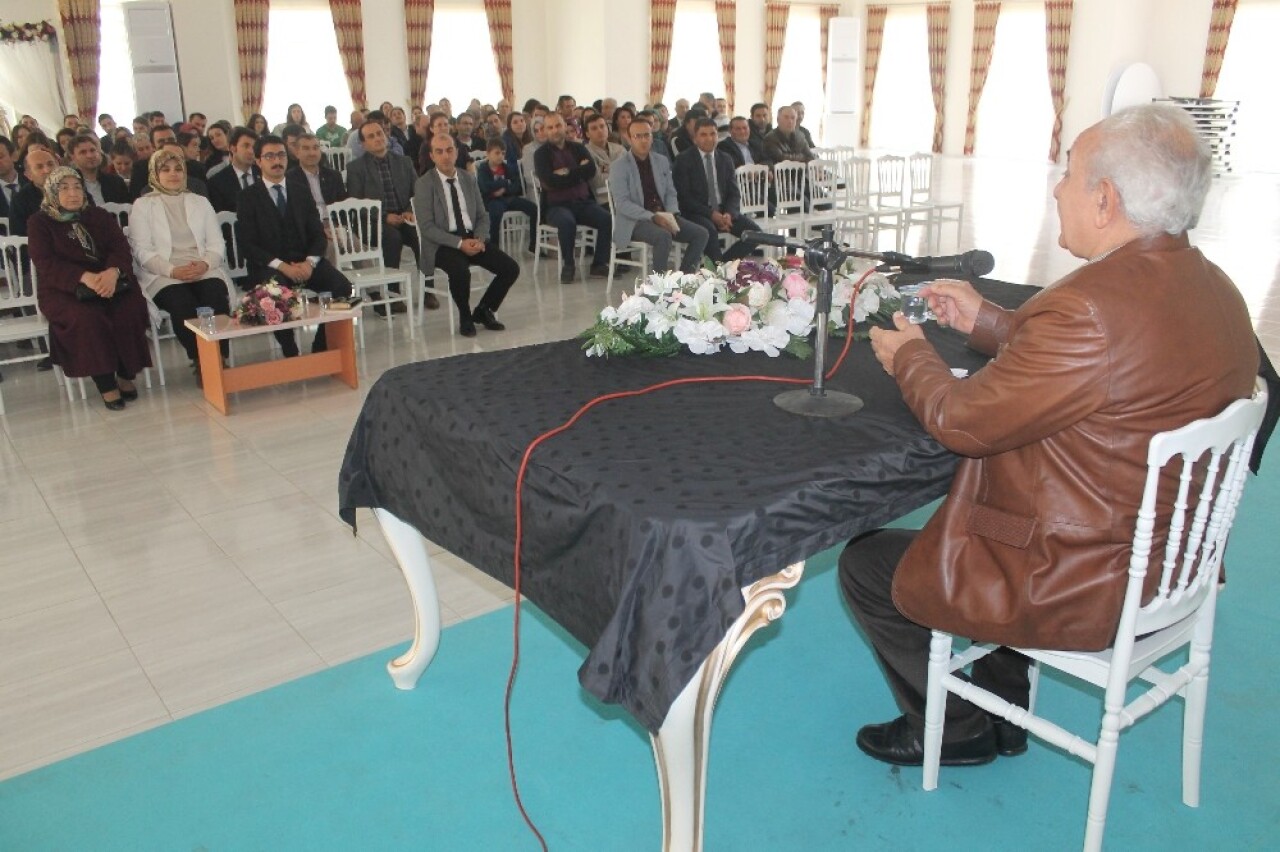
{"x": 453, "y": 225}
{"x": 645, "y": 207}
{"x": 381, "y": 174}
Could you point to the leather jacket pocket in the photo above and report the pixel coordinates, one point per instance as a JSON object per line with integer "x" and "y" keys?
{"x": 1000, "y": 526}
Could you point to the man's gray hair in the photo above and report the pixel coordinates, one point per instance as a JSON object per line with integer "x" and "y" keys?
{"x": 1158, "y": 164}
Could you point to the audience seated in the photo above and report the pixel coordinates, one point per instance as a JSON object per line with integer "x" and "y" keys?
{"x": 760, "y": 126}
{"x": 102, "y": 187}
{"x": 502, "y": 192}
{"x": 294, "y": 115}
{"x": 645, "y": 205}
{"x": 603, "y": 152}
{"x": 463, "y": 138}
{"x": 11, "y": 180}
{"x": 122, "y": 159}
{"x": 332, "y": 133}
{"x": 280, "y": 236}
{"x": 39, "y": 163}
{"x": 226, "y": 185}
{"x": 707, "y": 190}
{"x": 388, "y": 177}
{"x": 179, "y": 252}
{"x": 160, "y": 135}
{"x": 741, "y": 146}
{"x": 564, "y": 168}
{"x": 800, "y": 128}
{"x": 324, "y": 184}
{"x": 100, "y": 332}
{"x": 784, "y": 142}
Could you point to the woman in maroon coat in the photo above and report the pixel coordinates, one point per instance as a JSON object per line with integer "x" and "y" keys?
{"x": 104, "y": 335}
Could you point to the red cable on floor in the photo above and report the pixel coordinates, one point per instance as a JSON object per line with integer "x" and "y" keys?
{"x": 519, "y": 538}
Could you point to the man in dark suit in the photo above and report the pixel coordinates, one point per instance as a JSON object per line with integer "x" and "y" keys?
{"x": 11, "y": 180}
{"x": 324, "y": 183}
{"x": 26, "y": 201}
{"x": 102, "y": 187}
{"x": 564, "y": 169}
{"x": 108, "y": 125}
{"x": 380, "y": 174}
{"x": 453, "y": 227}
{"x": 741, "y": 145}
{"x": 281, "y": 237}
{"x": 240, "y": 173}
{"x": 708, "y": 192}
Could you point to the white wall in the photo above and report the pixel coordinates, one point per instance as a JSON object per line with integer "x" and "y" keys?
{"x": 588, "y": 48}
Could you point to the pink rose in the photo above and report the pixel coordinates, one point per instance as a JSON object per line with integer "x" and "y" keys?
{"x": 736, "y": 319}
{"x": 793, "y": 261}
{"x": 274, "y": 317}
{"x": 266, "y": 303}
{"x": 795, "y": 286}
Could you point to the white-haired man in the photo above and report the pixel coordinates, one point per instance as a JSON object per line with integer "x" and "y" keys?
{"x": 1030, "y": 548}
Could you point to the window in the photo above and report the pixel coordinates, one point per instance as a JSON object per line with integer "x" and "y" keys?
{"x": 303, "y": 66}
{"x": 902, "y": 104}
{"x": 462, "y": 66}
{"x": 1249, "y": 71}
{"x": 800, "y": 74}
{"x": 1015, "y": 115}
{"x": 115, "y": 70}
{"x": 695, "y": 65}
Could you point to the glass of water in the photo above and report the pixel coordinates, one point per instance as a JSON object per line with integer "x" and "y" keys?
{"x": 206, "y": 321}
{"x": 325, "y": 299}
{"x": 915, "y": 307}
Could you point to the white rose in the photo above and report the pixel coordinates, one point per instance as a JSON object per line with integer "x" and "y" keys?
{"x": 759, "y": 294}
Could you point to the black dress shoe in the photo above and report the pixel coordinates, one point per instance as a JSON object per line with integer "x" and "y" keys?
{"x": 44, "y": 364}
{"x": 485, "y": 317}
{"x": 1011, "y": 739}
{"x": 128, "y": 395}
{"x": 899, "y": 743}
{"x": 114, "y": 404}
{"x": 430, "y": 302}
{"x": 466, "y": 328}
{"x": 566, "y": 275}
{"x": 600, "y": 271}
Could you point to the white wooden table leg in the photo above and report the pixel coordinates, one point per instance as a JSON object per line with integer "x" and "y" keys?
{"x": 410, "y": 550}
{"x": 681, "y": 744}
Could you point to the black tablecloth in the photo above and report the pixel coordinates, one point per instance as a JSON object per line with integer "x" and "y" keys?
{"x": 643, "y": 520}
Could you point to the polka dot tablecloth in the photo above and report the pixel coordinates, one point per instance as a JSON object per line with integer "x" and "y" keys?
{"x": 645, "y": 519}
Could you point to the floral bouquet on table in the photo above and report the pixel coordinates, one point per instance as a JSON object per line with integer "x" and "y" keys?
{"x": 269, "y": 303}
{"x": 747, "y": 305}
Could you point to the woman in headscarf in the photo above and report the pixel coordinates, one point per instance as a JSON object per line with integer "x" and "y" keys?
{"x": 179, "y": 252}
{"x": 97, "y": 315}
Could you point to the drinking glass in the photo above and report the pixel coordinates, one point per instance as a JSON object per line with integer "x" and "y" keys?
{"x": 204, "y": 318}
{"x": 325, "y": 299}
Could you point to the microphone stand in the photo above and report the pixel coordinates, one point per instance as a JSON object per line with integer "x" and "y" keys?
{"x": 824, "y": 256}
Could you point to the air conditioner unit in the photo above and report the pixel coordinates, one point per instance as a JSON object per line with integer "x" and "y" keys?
{"x": 156, "y": 84}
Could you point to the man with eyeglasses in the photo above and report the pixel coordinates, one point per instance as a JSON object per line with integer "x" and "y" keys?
{"x": 281, "y": 237}
{"x": 453, "y": 226}
{"x": 645, "y": 205}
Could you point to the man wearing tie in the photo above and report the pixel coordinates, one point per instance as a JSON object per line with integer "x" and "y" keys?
{"x": 708, "y": 193}
{"x": 453, "y": 225}
{"x": 281, "y": 237}
{"x": 240, "y": 173}
{"x": 11, "y": 179}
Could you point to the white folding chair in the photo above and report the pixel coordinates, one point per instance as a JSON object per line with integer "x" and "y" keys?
{"x": 121, "y": 212}
{"x": 753, "y": 189}
{"x": 640, "y": 252}
{"x": 548, "y": 237}
{"x": 356, "y": 227}
{"x": 1207, "y": 461}
{"x": 891, "y": 198}
{"x": 790, "y": 178}
{"x": 477, "y": 156}
{"x": 826, "y": 204}
{"x": 920, "y": 197}
{"x": 19, "y": 294}
{"x": 338, "y": 158}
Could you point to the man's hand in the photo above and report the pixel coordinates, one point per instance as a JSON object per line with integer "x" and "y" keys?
{"x": 954, "y": 303}
{"x": 561, "y": 172}
{"x": 885, "y": 343}
{"x": 394, "y": 219}
{"x": 471, "y": 247}
{"x": 296, "y": 272}
{"x": 722, "y": 221}
{"x": 667, "y": 222}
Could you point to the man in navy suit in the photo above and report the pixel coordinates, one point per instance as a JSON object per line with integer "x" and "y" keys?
{"x": 708, "y": 192}
{"x": 238, "y": 173}
{"x": 281, "y": 237}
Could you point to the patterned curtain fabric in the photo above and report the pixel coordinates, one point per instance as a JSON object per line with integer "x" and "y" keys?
{"x": 251, "y": 50}
{"x": 1224, "y": 12}
{"x": 417, "y": 24}
{"x": 349, "y": 28}
{"x": 825, "y": 14}
{"x": 985, "y": 16}
{"x": 875, "y": 36}
{"x": 662, "y": 20}
{"x": 82, "y": 27}
{"x": 498, "y": 12}
{"x": 938, "y": 16}
{"x": 1057, "y": 25}
{"x": 727, "y": 24}
{"x": 775, "y": 33}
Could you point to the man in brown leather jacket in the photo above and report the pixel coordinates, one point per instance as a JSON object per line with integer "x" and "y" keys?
{"x": 1031, "y": 546}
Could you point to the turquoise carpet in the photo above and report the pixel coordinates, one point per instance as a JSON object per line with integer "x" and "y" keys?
{"x": 341, "y": 760}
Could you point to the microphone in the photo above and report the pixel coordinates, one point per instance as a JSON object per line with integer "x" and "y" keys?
{"x": 971, "y": 264}
{"x": 768, "y": 239}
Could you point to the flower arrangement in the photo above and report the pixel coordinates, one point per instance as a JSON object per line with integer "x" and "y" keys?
{"x": 39, "y": 31}
{"x": 746, "y": 305}
{"x": 270, "y": 303}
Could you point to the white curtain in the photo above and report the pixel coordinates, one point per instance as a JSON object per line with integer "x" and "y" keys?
{"x": 31, "y": 82}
